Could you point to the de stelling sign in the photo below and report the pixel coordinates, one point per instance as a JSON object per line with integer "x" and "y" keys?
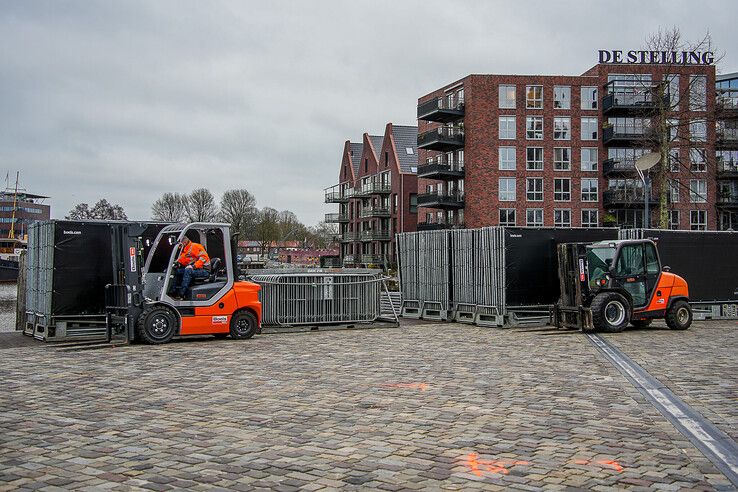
{"x": 658, "y": 57}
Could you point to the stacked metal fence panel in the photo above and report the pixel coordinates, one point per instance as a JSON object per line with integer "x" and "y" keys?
{"x": 319, "y": 298}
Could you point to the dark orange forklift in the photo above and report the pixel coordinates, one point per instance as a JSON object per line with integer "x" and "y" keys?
{"x": 608, "y": 284}
{"x": 140, "y": 308}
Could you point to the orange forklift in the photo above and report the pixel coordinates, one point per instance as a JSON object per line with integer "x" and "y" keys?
{"x": 608, "y": 284}
{"x": 140, "y": 308}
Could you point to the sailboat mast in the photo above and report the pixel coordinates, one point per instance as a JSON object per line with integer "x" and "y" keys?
{"x": 11, "y": 234}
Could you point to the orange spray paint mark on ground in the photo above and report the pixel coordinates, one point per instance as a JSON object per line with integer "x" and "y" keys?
{"x": 420, "y": 386}
{"x": 478, "y": 466}
{"x": 604, "y": 463}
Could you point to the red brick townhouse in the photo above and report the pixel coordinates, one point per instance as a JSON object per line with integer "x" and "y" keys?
{"x": 377, "y": 193}
{"x": 541, "y": 150}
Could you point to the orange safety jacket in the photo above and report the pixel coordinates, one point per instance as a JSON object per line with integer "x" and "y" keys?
{"x": 194, "y": 254}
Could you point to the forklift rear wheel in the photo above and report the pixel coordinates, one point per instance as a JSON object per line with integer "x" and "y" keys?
{"x": 610, "y": 312}
{"x": 679, "y": 316}
{"x": 243, "y": 325}
{"x": 641, "y": 323}
{"x": 156, "y": 325}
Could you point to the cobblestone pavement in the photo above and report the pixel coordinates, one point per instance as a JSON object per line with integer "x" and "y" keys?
{"x": 438, "y": 406}
{"x": 702, "y": 369}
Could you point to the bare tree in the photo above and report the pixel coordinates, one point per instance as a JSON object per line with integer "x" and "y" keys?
{"x": 238, "y": 207}
{"x": 200, "y": 206}
{"x": 102, "y": 210}
{"x": 679, "y": 125}
{"x": 169, "y": 208}
{"x": 267, "y": 228}
{"x": 323, "y": 234}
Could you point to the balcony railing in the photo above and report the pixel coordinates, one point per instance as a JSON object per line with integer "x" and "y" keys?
{"x": 727, "y": 200}
{"x": 443, "y": 169}
{"x": 370, "y": 189}
{"x": 727, "y": 138}
{"x": 374, "y": 212}
{"x": 437, "y": 226}
{"x": 335, "y": 194}
{"x": 632, "y": 100}
{"x": 351, "y": 259}
{"x": 727, "y": 169}
{"x": 336, "y": 218}
{"x": 619, "y": 167}
{"x": 373, "y": 259}
{"x": 726, "y": 102}
{"x": 448, "y": 201}
{"x": 443, "y": 138}
{"x": 626, "y": 135}
{"x": 376, "y": 235}
{"x": 626, "y": 198}
{"x": 350, "y": 236}
{"x": 441, "y": 110}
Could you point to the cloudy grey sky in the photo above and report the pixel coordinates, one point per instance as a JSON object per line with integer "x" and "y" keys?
{"x": 130, "y": 99}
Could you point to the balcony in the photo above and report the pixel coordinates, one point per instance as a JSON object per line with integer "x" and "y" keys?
{"x": 437, "y": 226}
{"x": 370, "y": 189}
{"x": 728, "y": 201}
{"x": 619, "y": 168}
{"x": 726, "y": 138}
{"x": 440, "y": 110}
{"x": 627, "y": 136}
{"x": 373, "y": 259}
{"x": 727, "y": 170}
{"x": 451, "y": 201}
{"x": 443, "y": 139}
{"x": 335, "y": 194}
{"x": 726, "y": 103}
{"x": 632, "y": 101}
{"x": 369, "y": 212}
{"x": 376, "y": 235}
{"x": 626, "y": 198}
{"x": 336, "y": 218}
{"x": 349, "y": 237}
{"x": 442, "y": 170}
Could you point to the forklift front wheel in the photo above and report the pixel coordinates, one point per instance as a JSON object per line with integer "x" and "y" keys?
{"x": 157, "y": 324}
{"x": 243, "y": 325}
{"x": 679, "y": 316}
{"x": 610, "y": 312}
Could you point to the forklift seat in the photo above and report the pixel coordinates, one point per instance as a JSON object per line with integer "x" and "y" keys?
{"x": 215, "y": 264}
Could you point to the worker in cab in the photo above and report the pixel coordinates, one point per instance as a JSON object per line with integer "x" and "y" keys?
{"x": 193, "y": 262}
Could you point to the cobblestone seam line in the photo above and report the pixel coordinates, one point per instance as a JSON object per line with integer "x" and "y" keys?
{"x": 717, "y": 446}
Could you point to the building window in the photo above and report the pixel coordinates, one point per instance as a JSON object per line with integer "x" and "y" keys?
{"x": 507, "y": 158}
{"x": 589, "y": 158}
{"x": 672, "y": 126}
{"x": 674, "y": 190}
{"x": 534, "y": 158}
{"x": 698, "y": 130}
{"x": 589, "y": 189}
{"x": 697, "y": 190}
{"x": 534, "y": 97}
{"x": 562, "y": 97}
{"x": 698, "y": 220}
{"x": 507, "y": 189}
{"x": 589, "y": 97}
{"x": 413, "y": 203}
{"x": 562, "y": 159}
{"x": 507, "y": 96}
{"x": 534, "y": 189}
{"x": 727, "y": 160}
{"x": 590, "y": 218}
{"x": 674, "y": 219}
{"x": 562, "y": 128}
{"x": 534, "y": 217}
{"x": 507, "y": 217}
{"x": 697, "y": 93}
{"x": 673, "y": 89}
{"x": 697, "y": 160}
{"x": 562, "y": 217}
{"x": 589, "y": 129}
{"x": 534, "y": 127}
{"x": 674, "y": 160}
{"x": 507, "y": 127}
{"x": 562, "y": 189}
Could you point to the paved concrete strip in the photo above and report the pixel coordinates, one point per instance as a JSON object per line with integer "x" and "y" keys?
{"x": 717, "y": 446}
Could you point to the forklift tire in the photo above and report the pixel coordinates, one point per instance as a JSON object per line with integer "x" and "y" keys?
{"x": 610, "y": 312}
{"x": 156, "y": 325}
{"x": 243, "y": 325}
{"x": 679, "y": 316}
{"x": 641, "y": 323}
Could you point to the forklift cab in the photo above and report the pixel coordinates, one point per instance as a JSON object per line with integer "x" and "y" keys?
{"x": 161, "y": 264}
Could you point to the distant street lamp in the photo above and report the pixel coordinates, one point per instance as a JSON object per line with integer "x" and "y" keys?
{"x": 644, "y": 163}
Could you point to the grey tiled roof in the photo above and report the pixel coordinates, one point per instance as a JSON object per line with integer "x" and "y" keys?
{"x": 356, "y": 150}
{"x": 377, "y": 141}
{"x": 406, "y": 137}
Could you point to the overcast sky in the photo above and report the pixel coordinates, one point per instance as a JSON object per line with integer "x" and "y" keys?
{"x": 128, "y": 100}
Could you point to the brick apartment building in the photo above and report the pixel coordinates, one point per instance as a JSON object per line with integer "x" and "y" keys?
{"x": 727, "y": 162}
{"x": 376, "y": 192}
{"x": 25, "y": 207}
{"x": 559, "y": 150}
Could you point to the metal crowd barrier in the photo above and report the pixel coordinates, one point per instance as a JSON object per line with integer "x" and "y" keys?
{"x": 317, "y": 298}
